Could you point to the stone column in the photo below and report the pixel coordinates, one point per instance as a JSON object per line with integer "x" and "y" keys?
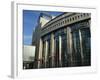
{"x": 40, "y": 53}
{"x": 54, "y": 53}
{"x": 52, "y": 49}
{"x": 60, "y": 42}
{"x": 46, "y": 52}
{"x": 82, "y": 56}
{"x": 69, "y": 46}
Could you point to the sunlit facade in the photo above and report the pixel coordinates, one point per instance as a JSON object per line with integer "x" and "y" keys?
{"x": 63, "y": 41}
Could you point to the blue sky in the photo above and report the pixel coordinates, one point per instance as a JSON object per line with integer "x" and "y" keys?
{"x": 30, "y": 18}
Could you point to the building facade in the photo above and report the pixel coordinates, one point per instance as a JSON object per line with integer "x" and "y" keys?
{"x": 28, "y": 56}
{"x": 63, "y": 41}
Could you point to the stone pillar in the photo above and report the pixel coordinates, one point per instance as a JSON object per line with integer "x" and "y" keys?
{"x": 46, "y": 52}
{"x": 60, "y": 42}
{"x": 69, "y": 46}
{"x": 55, "y": 52}
{"x": 40, "y": 53}
{"x": 82, "y": 56}
{"x": 52, "y": 49}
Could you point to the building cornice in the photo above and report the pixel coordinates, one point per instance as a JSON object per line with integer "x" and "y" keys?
{"x": 63, "y": 20}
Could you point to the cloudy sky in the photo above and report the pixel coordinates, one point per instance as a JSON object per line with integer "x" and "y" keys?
{"x": 30, "y": 18}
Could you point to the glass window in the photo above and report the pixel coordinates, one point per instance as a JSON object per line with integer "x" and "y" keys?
{"x": 64, "y": 50}
{"x": 56, "y": 38}
{"x": 57, "y": 52}
{"x": 43, "y": 55}
{"x": 85, "y": 50}
{"x": 86, "y": 45}
{"x": 49, "y": 63}
{"x": 76, "y": 49}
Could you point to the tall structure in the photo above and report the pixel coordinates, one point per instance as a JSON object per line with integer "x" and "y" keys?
{"x": 63, "y": 41}
{"x": 28, "y": 57}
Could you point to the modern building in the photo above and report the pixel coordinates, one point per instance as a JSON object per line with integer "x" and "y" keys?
{"x": 63, "y": 41}
{"x": 28, "y": 57}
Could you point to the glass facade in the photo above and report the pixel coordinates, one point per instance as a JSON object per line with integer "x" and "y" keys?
{"x": 48, "y": 55}
{"x": 77, "y": 60}
{"x": 43, "y": 55}
{"x": 56, "y": 54}
{"x": 86, "y": 45}
{"x": 80, "y": 46}
{"x": 64, "y": 54}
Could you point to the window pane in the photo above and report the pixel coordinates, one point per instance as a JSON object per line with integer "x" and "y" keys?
{"x": 86, "y": 44}
{"x": 76, "y": 49}
{"x": 64, "y": 51}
